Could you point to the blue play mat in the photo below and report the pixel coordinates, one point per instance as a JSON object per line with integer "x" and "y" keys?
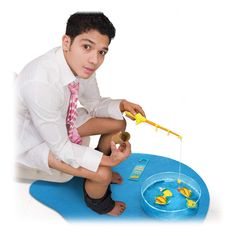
{"x": 67, "y": 198}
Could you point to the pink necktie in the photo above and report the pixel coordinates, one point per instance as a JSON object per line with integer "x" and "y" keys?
{"x": 72, "y": 113}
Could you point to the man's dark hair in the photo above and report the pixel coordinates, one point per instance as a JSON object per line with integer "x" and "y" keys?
{"x": 82, "y": 22}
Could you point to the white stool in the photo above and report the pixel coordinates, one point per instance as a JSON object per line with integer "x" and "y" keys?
{"x": 25, "y": 173}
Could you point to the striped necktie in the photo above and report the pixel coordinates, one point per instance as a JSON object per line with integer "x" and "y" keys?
{"x": 72, "y": 114}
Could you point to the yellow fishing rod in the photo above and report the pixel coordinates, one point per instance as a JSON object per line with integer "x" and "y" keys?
{"x": 139, "y": 119}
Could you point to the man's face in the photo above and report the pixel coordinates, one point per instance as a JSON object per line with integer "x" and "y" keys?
{"x": 86, "y": 53}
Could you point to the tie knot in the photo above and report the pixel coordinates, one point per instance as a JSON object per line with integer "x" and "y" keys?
{"x": 74, "y": 87}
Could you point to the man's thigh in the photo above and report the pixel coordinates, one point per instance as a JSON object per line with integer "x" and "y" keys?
{"x": 80, "y": 172}
{"x": 97, "y": 126}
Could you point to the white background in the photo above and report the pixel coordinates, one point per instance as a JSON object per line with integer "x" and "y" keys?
{"x": 175, "y": 58}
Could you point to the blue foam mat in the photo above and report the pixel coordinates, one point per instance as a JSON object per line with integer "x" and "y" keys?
{"x": 67, "y": 198}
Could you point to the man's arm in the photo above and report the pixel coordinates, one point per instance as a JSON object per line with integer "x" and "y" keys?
{"x": 105, "y": 107}
{"x": 97, "y": 106}
{"x": 131, "y": 107}
{"x": 44, "y": 103}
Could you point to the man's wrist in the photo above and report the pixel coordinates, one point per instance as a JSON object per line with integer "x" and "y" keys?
{"x": 107, "y": 161}
{"x": 122, "y": 108}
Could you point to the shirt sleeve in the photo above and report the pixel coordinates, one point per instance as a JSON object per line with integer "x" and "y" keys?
{"x": 44, "y": 103}
{"x": 96, "y": 105}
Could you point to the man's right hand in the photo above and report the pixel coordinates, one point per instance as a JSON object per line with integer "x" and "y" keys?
{"x": 119, "y": 154}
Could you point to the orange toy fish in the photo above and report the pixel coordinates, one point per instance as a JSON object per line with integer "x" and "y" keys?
{"x": 185, "y": 191}
{"x": 161, "y": 200}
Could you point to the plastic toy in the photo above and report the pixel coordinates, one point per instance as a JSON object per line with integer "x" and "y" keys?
{"x": 185, "y": 192}
{"x": 191, "y": 203}
{"x": 166, "y": 192}
{"x": 121, "y": 137}
{"x": 138, "y": 169}
{"x": 139, "y": 119}
{"x": 179, "y": 181}
{"x": 164, "y": 199}
{"x": 161, "y": 200}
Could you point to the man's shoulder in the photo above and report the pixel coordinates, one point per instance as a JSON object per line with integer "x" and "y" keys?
{"x": 45, "y": 64}
{"x": 47, "y": 60}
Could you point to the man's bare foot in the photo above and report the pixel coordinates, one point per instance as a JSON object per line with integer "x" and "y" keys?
{"x": 116, "y": 178}
{"x": 118, "y": 209}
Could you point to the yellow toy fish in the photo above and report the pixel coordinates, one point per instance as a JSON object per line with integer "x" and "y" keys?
{"x": 166, "y": 192}
{"x": 190, "y": 203}
{"x": 161, "y": 200}
{"x": 185, "y": 191}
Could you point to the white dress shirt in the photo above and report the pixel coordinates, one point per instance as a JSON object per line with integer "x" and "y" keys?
{"x": 42, "y": 99}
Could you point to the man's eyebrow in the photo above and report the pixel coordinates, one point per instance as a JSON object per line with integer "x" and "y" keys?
{"x": 90, "y": 41}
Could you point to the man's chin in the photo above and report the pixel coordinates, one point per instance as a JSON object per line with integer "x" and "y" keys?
{"x": 86, "y": 75}
{"x": 83, "y": 75}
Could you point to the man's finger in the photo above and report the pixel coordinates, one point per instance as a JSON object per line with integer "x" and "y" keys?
{"x": 122, "y": 147}
{"x": 113, "y": 147}
{"x": 140, "y": 110}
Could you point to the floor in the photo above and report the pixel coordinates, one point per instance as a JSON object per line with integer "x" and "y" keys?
{"x": 28, "y": 207}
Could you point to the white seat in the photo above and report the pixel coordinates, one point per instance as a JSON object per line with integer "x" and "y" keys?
{"x": 25, "y": 173}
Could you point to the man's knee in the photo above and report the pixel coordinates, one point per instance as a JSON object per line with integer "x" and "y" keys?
{"x": 104, "y": 175}
{"x": 120, "y": 125}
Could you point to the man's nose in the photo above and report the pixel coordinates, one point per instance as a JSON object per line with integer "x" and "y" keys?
{"x": 93, "y": 58}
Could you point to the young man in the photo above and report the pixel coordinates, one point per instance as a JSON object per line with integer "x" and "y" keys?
{"x": 51, "y": 127}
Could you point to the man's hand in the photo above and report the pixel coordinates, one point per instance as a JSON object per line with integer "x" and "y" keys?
{"x": 131, "y": 107}
{"x": 119, "y": 154}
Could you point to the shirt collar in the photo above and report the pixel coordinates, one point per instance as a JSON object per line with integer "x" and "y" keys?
{"x": 67, "y": 75}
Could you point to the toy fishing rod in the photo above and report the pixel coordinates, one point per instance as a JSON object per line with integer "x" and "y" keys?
{"x": 139, "y": 119}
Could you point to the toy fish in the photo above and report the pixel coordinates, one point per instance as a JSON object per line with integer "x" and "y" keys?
{"x": 161, "y": 200}
{"x": 166, "y": 192}
{"x": 190, "y": 203}
{"x": 185, "y": 191}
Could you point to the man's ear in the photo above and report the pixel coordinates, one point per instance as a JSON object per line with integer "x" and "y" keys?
{"x": 66, "y": 42}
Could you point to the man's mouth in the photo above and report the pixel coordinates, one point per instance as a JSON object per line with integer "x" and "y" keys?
{"x": 88, "y": 70}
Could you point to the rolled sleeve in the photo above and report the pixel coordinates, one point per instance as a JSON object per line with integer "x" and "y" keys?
{"x": 91, "y": 159}
{"x": 44, "y": 104}
{"x": 114, "y": 109}
{"x": 81, "y": 156}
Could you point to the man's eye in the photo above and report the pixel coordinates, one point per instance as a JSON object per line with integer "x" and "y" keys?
{"x": 103, "y": 53}
{"x": 87, "y": 47}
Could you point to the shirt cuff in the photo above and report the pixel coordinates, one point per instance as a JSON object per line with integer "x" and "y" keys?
{"x": 91, "y": 159}
{"x": 114, "y": 109}
{"x": 78, "y": 155}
